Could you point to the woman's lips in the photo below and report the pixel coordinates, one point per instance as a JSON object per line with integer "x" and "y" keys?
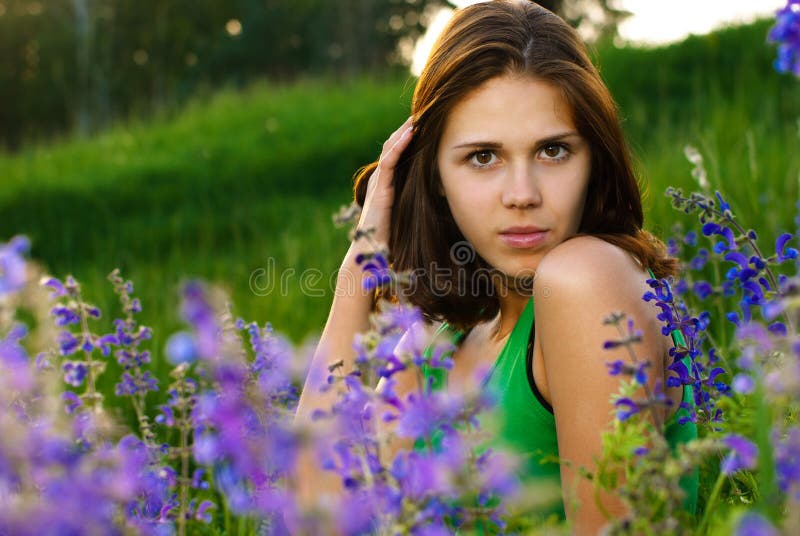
{"x": 523, "y": 237}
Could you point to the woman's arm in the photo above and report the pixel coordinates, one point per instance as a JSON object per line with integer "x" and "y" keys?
{"x": 586, "y": 279}
{"x": 349, "y": 312}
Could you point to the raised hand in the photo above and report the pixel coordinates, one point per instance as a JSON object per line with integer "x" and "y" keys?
{"x": 377, "y": 208}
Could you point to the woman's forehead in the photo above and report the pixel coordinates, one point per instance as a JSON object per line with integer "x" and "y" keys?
{"x": 508, "y": 106}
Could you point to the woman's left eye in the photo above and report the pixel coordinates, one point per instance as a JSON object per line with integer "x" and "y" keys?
{"x": 553, "y": 151}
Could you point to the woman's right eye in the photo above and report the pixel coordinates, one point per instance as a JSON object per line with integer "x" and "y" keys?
{"x": 482, "y": 158}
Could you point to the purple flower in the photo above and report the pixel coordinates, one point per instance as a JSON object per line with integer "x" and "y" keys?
{"x": 378, "y": 272}
{"x": 681, "y": 287}
{"x": 106, "y": 342}
{"x": 673, "y": 249}
{"x": 12, "y": 264}
{"x": 742, "y": 454}
{"x": 400, "y": 316}
{"x": 723, "y": 205}
{"x": 67, "y": 342}
{"x": 753, "y": 524}
{"x": 136, "y": 381}
{"x": 626, "y": 408}
{"x": 57, "y": 287}
{"x": 711, "y": 228}
{"x": 699, "y": 261}
{"x": 783, "y": 253}
{"x": 65, "y": 316}
{"x": 14, "y": 360}
{"x": 756, "y": 334}
{"x": 786, "y": 32}
{"x": 198, "y": 313}
{"x": 74, "y": 372}
{"x": 423, "y": 414}
{"x": 702, "y": 289}
{"x": 202, "y": 514}
{"x": 787, "y": 461}
{"x": 777, "y": 328}
{"x": 497, "y": 472}
{"x": 413, "y": 342}
{"x": 743, "y": 384}
{"x": 420, "y": 474}
{"x": 72, "y": 401}
{"x": 181, "y": 348}
{"x": 615, "y": 368}
{"x": 640, "y": 374}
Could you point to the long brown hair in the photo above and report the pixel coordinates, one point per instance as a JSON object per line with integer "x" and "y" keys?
{"x": 481, "y": 42}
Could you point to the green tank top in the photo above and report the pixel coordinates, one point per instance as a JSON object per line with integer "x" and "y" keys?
{"x": 530, "y": 428}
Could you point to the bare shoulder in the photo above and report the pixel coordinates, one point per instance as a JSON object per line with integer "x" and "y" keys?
{"x": 586, "y": 260}
{"x": 586, "y": 279}
{"x": 580, "y": 283}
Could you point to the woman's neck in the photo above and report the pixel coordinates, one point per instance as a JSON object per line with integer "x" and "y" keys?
{"x": 511, "y": 307}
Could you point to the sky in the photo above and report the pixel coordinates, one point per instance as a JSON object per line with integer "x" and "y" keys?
{"x": 652, "y": 22}
{"x": 656, "y": 21}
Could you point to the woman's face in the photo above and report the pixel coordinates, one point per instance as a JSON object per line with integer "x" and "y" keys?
{"x": 514, "y": 171}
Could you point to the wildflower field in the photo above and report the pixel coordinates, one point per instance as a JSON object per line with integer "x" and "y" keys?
{"x": 144, "y": 402}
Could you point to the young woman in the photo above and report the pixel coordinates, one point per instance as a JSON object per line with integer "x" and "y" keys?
{"x": 514, "y": 146}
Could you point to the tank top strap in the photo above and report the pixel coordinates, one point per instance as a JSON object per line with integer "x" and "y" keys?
{"x": 677, "y": 336}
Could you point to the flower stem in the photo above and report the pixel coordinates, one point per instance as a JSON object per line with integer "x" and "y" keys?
{"x": 650, "y": 398}
{"x": 91, "y": 395}
{"x": 703, "y": 526}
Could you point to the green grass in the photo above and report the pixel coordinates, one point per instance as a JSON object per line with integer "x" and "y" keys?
{"x": 232, "y": 181}
{"x": 719, "y": 93}
{"x": 216, "y": 192}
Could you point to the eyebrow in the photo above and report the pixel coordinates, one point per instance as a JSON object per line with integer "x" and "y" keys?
{"x": 495, "y": 145}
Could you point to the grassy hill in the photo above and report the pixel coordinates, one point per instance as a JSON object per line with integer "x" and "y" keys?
{"x": 248, "y": 180}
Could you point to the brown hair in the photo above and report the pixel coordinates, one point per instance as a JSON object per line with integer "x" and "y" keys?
{"x": 481, "y": 42}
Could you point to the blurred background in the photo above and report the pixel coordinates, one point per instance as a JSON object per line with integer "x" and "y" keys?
{"x": 215, "y": 138}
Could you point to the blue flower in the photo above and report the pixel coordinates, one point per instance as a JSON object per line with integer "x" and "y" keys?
{"x": 626, "y": 408}
{"x": 712, "y": 228}
{"x": 783, "y": 253}
{"x": 640, "y": 375}
{"x": 702, "y": 289}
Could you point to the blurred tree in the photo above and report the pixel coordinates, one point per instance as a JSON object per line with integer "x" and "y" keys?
{"x": 597, "y": 19}
{"x": 80, "y": 64}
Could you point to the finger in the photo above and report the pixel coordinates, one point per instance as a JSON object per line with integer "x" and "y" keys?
{"x": 389, "y": 160}
{"x": 392, "y": 140}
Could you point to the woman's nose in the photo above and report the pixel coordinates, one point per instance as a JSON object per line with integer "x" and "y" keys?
{"x": 521, "y": 187}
